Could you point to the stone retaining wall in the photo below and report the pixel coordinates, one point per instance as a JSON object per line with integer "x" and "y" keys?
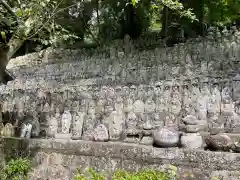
{"x": 51, "y": 156}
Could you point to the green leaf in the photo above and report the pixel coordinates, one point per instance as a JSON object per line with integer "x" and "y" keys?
{"x": 19, "y": 13}
{"x": 3, "y": 35}
{"x": 134, "y": 2}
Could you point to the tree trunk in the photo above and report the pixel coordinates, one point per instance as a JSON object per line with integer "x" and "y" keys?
{"x": 15, "y": 42}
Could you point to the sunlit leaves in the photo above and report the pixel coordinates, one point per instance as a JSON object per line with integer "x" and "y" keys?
{"x": 134, "y": 2}
{"x": 3, "y": 35}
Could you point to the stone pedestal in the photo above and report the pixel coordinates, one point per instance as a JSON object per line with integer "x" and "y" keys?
{"x": 192, "y": 141}
{"x": 147, "y": 140}
{"x": 62, "y": 136}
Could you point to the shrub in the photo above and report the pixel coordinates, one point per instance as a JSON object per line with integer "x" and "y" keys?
{"x": 16, "y": 169}
{"x": 124, "y": 175}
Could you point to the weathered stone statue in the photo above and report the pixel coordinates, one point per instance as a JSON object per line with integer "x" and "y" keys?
{"x": 216, "y": 124}
{"x": 58, "y": 117}
{"x": 8, "y": 130}
{"x": 119, "y": 106}
{"x": 29, "y": 131}
{"x": 195, "y": 91}
{"x": 115, "y": 124}
{"x": 78, "y": 120}
{"x": 131, "y": 118}
{"x": 89, "y": 122}
{"x": 235, "y": 121}
{"x": 100, "y": 106}
{"x": 66, "y": 122}
{"x": 101, "y": 133}
{"x": 52, "y": 126}
{"x": 226, "y": 90}
{"x": 186, "y": 92}
{"x": 35, "y": 125}
{"x": 216, "y": 96}
{"x": 23, "y": 131}
{"x": 167, "y": 92}
{"x": 236, "y": 88}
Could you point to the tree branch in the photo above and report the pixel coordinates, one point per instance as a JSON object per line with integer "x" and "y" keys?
{"x": 9, "y": 9}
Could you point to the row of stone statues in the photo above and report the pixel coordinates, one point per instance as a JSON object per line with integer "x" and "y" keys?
{"x": 220, "y": 52}
{"x": 134, "y": 110}
{"x": 171, "y": 102}
{"x": 34, "y": 85}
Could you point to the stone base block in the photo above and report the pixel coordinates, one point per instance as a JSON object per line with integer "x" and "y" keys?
{"x": 62, "y": 136}
{"x": 192, "y": 141}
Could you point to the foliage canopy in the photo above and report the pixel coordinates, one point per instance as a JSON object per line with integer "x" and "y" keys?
{"x": 60, "y": 22}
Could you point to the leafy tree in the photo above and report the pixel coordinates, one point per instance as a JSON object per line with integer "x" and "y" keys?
{"x": 60, "y": 22}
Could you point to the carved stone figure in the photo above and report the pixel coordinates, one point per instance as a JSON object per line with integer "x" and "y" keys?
{"x": 141, "y": 94}
{"x": 195, "y": 93}
{"x": 23, "y": 131}
{"x": 46, "y": 108}
{"x": 78, "y": 119}
{"x": 235, "y": 123}
{"x": 8, "y": 130}
{"x": 158, "y": 120}
{"x": 186, "y": 92}
{"x": 216, "y": 124}
{"x": 100, "y": 106}
{"x": 194, "y": 125}
{"x": 119, "y": 105}
{"x": 115, "y": 124}
{"x": 58, "y": 117}
{"x": 226, "y": 90}
{"x": 52, "y": 126}
{"x": 75, "y": 106}
{"x": 236, "y": 88}
{"x": 160, "y": 105}
{"x": 66, "y": 121}
{"x": 202, "y": 108}
{"x": 29, "y": 130}
{"x": 131, "y": 118}
{"x": 101, "y": 133}
{"x": 35, "y": 125}
{"x": 167, "y": 92}
{"x": 216, "y": 96}
{"x": 91, "y": 109}
{"x": 88, "y": 128}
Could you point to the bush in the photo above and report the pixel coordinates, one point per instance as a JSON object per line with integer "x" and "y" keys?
{"x": 16, "y": 169}
{"x": 124, "y": 175}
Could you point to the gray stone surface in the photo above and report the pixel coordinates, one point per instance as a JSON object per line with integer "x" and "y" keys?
{"x": 61, "y": 156}
{"x": 134, "y": 95}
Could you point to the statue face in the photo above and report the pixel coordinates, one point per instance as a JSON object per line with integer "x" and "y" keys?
{"x": 215, "y": 85}
{"x": 133, "y": 89}
{"x": 167, "y": 87}
{"x": 118, "y": 89}
{"x": 175, "y": 88}
{"x": 237, "y": 109}
{"x": 126, "y": 90}
{"x": 156, "y": 117}
{"x": 205, "y": 86}
{"x": 108, "y": 109}
{"x": 157, "y": 90}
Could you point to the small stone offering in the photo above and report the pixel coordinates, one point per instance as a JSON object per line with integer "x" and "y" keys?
{"x": 101, "y": 133}
{"x": 219, "y": 142}
{"x": 166, "y": 137}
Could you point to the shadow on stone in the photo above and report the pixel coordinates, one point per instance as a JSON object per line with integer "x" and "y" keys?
{"x": 12, "y": 148}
